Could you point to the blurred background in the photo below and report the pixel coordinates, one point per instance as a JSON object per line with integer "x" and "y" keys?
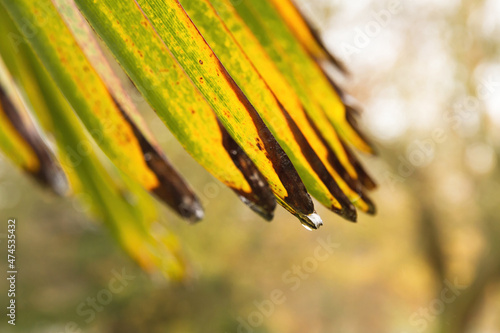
{"x": 427, "y": 75}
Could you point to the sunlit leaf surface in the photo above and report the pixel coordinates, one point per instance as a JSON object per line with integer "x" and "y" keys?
{"x": 240, "y": 86}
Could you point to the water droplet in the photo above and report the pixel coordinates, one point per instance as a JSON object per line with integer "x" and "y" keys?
{"x": 311, "y": 222}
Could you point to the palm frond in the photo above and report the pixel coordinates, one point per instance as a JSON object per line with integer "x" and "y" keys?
{"x": 240, "y": 86}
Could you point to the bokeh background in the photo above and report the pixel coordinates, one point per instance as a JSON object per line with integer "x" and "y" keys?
{"x": 427, "y": 75}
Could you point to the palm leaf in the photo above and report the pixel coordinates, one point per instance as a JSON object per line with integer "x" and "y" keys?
{"x": 176, "y": 101}
{"x": 217, "y": 87}
{"x": 279, "y": 119}
{"x": 239, "y": 85}
{"x": 113, "y": 197}
{"x": 21, "y": 142}
{"x": 113, "y": 130}
{"x": 305, "y": 33}
{"x": 318, "y": 84}
{"x": 230, "y": 104}
{"x": 287, "y": 116}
